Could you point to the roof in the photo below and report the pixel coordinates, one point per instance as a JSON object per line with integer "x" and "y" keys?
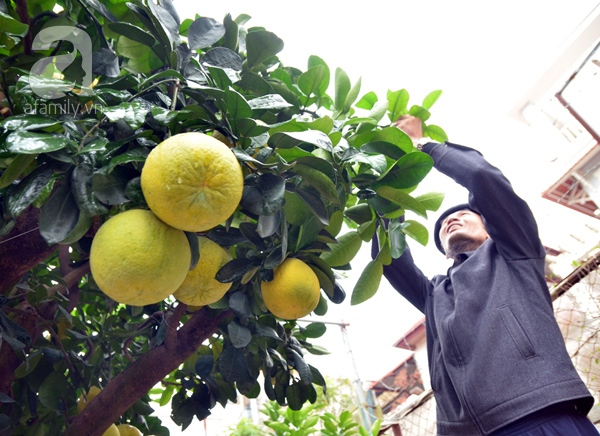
{"x": 413, "y": 337}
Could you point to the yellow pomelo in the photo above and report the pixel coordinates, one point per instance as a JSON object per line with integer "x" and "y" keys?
{"x": 128, "y": 430}
{"x": 294, "y": 291}
{"x": 89, "y": 396}
{"x": 200, "y": 286}
{"x": 112, "y": 431}
{"x": 137, "y": 259}
{"x": 192, "y": 181}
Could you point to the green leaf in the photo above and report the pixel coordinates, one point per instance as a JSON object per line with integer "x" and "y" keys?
{"x": 344, "y": 251}
{"x": 110, "y": 188}
{"x": 132, "y": 32}
{"x": 204, "y": 32}
{"x": 435, "y": 132}
{"x": 431, "y": 98}
{"x": 368, "y": 283}
{"x": 319, "y": 181}
{"x": 34, "y": 143}
{"x": 314, "y": 330}
{"x": 260, "y": 46}
{"x": 314, "y": 81}
{"x": 81, "y": 186}
{"x": 294, "y": 139}
{"x": 367, "y": 101}
{"x": 342, "y": 89}
{"x": 18, "y": 165}
{"x": 233, "y": 366}
{"x": 408, "y": 172}
{"x": 237, "y": 106}
{"x": 24, "y": 122}
{"x": 398, "y": 103}
{"x": 59, "y": 216}
{"x": 351, "y": 97}
{"x": 397, "y": 239}
{"x": 240, "y": 336}
{"x": 402, "y": 199}
{"x": 52, "y": 389}
{"x": 133, "y": 113}
{"x": 431, "y": 201}
{"x": 9, "y": 25}
{"x": 382, "y": 147}
{"x": 417, "y": 231}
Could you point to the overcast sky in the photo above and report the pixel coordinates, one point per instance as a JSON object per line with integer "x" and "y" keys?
{"x": 483, "y": 55}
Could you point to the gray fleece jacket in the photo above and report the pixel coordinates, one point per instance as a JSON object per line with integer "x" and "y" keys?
{"x": 495, "y": 351}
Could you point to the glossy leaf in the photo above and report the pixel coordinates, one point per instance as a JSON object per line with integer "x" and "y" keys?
{"x": 81, "y": 186}
{"x": 431, "y": 201}
{"x": 431, "y": 98}
{"x": 59, "y": 216}
{"x": 398, "y": 103}
{"x": 294, "y": 139}
{"x": 240, "y": 336}
{"x": 368, "y": 283}
{"x": 408, "y": 171}
{"x": 26, "y": 142}
{"x": 344, "y": 251}
{"x": 25, "y": 122}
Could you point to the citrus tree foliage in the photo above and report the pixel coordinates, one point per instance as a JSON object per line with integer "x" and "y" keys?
{"x": 316, "y": 152}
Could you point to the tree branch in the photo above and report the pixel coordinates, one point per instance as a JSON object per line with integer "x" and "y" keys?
{"x": 142, "y": 375}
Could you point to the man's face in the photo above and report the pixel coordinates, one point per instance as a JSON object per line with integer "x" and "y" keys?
{"x": 463, "y": 227}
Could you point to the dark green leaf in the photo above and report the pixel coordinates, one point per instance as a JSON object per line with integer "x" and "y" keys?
{"x": 240, "y": 336}
{"x": 15, "y": 335}
{"x": 235, "y": 270}
{"x": 109, "y": 188}
{"x": 204, "y": 365}
{"x": 52, "y": 390}
{"x": 204, "y": 32}
{"x": 268, "y": 224}
{"x": 17, "y": 166}
{"x": 320, "y": 181}
{"x": 233, "y": 366}
{"x": 194, "y": 247}
{"x": 263, "y": 195}
{"x": 25, "y": 122}
{"x": 10, "y": 25}
{"x": 381, "y": 147}
{"x": 368, "y": 282}
{"x": 237, "y": 106}
{"x": 315, "y": 204}
{"x": 296, "y": 396}
{"x": 81, "y": 186}
{"x": 105, "y": 63}
{"x": 294, "y": 139}
{"x": 28, "y": 189}
{"x": 260, "y": 46}
{"x": 59, "y": 216}
{"x": 361, "y": 213}
{"x": 223, "y": 58}
{"x": 133, "y": 32}
{"x": 34, "y": 143}
{"x": 302, "y": 367}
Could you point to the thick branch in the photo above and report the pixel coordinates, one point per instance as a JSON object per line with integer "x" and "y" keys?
{"x": 142, "y": 375}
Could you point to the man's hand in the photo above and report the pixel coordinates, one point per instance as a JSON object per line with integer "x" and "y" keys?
{"x": 412, "y": 126}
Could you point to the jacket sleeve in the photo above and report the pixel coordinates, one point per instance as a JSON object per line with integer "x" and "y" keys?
{"x": 405, "y": 277}
{"x": 508, "y": 219}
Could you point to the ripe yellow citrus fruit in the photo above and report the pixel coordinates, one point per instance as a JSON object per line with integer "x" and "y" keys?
{"x": 192, "y": 181}
{"x": 137, "y": 259}
{"x": 200, "y": 287}
{"x": 112, "y": 431}
{"x": 294, "y": 291}
{"x": 89, "y": 396}
{"x": 128, "y": 430}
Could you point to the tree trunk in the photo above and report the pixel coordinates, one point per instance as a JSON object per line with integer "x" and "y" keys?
{"x": 142, "y": 375}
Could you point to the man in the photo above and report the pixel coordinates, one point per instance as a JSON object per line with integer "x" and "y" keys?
{"x": 497, "y": 359}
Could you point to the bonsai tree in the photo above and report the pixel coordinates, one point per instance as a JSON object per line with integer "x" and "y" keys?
{"x": 89, "y": 89}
